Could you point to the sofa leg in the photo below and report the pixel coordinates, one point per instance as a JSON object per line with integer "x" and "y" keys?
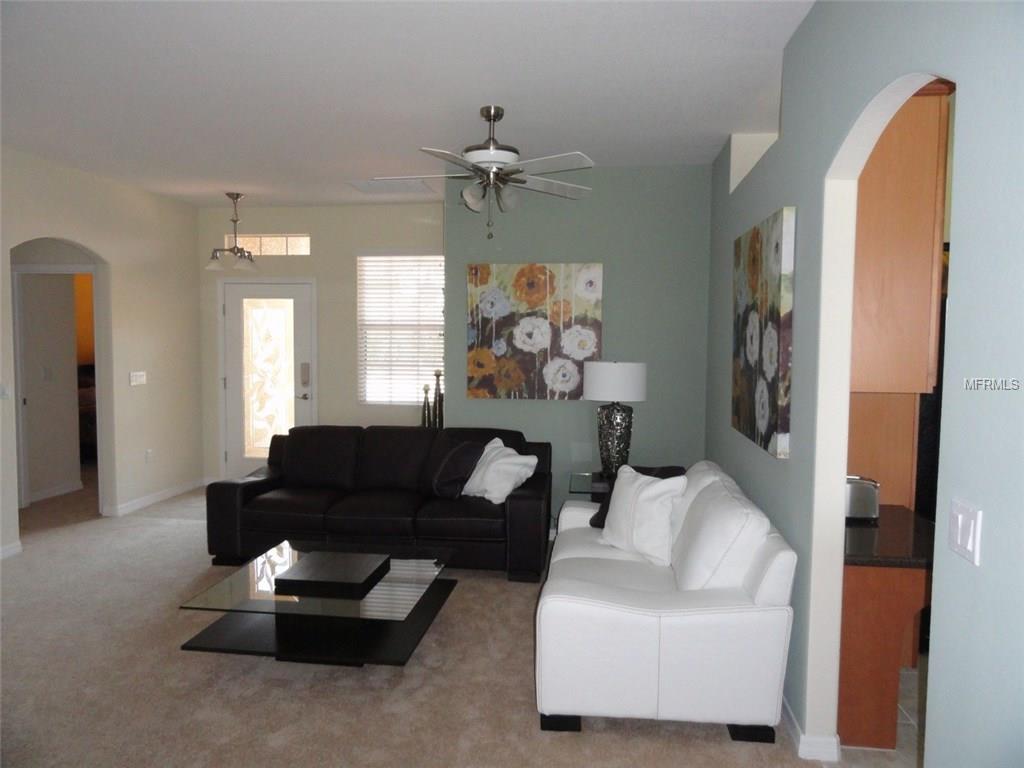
{"x": 529, "y": 576}
{"x": 230, "y": 560}
{"x": 763, "y": 734}
{"x": 560, "y": 723}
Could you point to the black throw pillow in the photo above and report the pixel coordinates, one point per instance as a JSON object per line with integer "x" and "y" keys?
{"x": 662, "y": 473}
{"x": 455, "y": 469}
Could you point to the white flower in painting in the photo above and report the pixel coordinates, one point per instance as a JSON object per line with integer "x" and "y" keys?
{"x": 494, "y": 304}
{"x": 561, "y": 375}
{"x": 499, "y": 347}
{"x": 579, "y": 343}
{"x": 588, "y": 282}
{"x": 762, "y": 409}
{"x": 532, "y": 334}
{"x": 753, "y": 337}
{"x": 770, "y": 352}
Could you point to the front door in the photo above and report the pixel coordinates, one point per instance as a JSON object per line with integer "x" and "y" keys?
{"x": 270, "y": 370}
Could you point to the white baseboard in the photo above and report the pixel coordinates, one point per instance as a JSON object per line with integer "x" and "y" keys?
{"x": 57, "y": 490}
{"x": 10, "y": 549}
{"x": 150, "y": 499}
{"x": 810, "y": 747}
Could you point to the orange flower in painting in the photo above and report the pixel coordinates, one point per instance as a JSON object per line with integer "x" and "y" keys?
{"x": 509, "y": 376}
{"x": 477, "y": 393}
{"x": 480, "y": 363}
{"x": 754, "y": 263}
{"x": 479, "y": 274}
{"x": 533, "y": 284}
{"x": 560, "y": 313}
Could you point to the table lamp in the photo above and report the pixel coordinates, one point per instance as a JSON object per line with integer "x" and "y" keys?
{"x": 614, "y": 382}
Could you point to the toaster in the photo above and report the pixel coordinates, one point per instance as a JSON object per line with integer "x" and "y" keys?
{"x": 861, "y": 498}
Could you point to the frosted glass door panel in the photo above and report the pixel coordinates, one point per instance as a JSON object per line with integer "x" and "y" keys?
{"x": 268, "y": 372}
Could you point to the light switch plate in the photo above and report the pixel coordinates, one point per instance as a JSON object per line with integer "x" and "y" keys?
{"x": 136, "y": 378}
{"x": 965, "y": 531}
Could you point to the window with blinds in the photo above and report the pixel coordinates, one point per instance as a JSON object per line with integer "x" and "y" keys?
{"x": 400, "y": 326}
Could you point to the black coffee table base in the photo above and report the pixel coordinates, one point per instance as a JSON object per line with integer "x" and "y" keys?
{"x": 324, "y": 639}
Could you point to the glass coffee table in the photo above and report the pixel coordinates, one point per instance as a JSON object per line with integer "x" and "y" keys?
{"x": 384, "y": 627}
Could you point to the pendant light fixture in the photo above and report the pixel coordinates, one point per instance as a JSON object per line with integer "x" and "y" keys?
{"x": 243, "y": 258}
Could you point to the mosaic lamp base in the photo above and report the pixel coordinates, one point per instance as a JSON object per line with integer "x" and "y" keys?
{"x": 614, "y": 427}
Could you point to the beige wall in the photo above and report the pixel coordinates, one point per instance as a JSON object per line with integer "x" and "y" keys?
{"x": 49, "y": 383}
{"x": 146, "y": 294}
{"x": 339, "y": 234}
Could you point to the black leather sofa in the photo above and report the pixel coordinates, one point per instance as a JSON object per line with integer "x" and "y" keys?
{"x": 374, "y": 486}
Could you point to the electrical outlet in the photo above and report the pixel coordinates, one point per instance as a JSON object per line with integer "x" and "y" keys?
{"x": 149, "y": 455}
{"x": 965, "y": 531}
{"x": 136, "y": 378}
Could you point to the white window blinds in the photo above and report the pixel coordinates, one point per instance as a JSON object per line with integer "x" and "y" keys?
{"x": 400, "y": 326}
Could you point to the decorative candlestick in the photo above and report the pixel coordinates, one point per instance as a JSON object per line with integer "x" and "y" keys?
{"x": 425, "y": 412}
{"x": 438, "y": 401}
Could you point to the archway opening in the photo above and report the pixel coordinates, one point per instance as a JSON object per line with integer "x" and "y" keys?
{"x": 836, "y": 351}
{"x": 64, "y": 382}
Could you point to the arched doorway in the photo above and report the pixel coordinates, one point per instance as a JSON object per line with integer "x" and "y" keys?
{"x": 835, "y": 344}
{"x": 62, "y": 261}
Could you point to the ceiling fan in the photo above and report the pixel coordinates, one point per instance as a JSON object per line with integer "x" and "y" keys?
{"x": 497, "y": 172}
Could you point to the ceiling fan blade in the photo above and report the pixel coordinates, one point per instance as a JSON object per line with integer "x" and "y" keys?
{"x": 473, "y": 196}
{"x": 570, "y": 161}
{"x": 506, "y": 198}
{"x": 451, "y": 157}
{"x": 429, "y": 176}
{"x": 550, "y": 187}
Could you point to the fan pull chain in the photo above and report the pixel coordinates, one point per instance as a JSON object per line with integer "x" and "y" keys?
{"x": 490, "y": 217}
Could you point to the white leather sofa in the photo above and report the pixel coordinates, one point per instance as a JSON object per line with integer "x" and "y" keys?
{"x": 705, "y": 639}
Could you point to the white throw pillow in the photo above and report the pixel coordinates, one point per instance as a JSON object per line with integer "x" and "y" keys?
{"x": 640, "y": 514}
{"x": 499, "y": 471}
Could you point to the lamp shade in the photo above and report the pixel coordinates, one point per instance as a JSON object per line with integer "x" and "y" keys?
{"x": 612, "y": 382}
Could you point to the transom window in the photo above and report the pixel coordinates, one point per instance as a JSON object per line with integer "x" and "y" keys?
{"x": 272, "y": 245}
{"x": 400, "y": 326}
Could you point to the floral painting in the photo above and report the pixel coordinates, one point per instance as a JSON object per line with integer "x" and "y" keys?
{"x": 762, "y": 337}
{"x": 530, "y": 328}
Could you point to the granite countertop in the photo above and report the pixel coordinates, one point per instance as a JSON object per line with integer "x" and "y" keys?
{"x": 901, "y": 539}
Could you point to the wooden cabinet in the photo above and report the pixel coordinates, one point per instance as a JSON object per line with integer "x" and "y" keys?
{"x": 883, "y": 443}
{"x": 898, "y": 272}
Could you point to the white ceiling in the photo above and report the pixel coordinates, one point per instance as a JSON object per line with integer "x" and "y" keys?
{"x": 291, "y": 102}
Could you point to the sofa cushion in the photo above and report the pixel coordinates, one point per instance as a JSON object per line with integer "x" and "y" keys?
{"x": 464, "y": 518}
{"x": 455, "y": 470}
{"x": 636, "y": 575}
{"x": 601, "y": 515}
{"x": 450, "y": 437}
{"x": 374, "y": 513}
{"x": 720, "y": 537}
{"x": 588, "y": 542}
{"x": 289, "y": 509}
{"x": 640, "y": 516}
{"x": 322, "y": 457}
{"x": 393, "y": 458}
{"x": 499, "y": 472}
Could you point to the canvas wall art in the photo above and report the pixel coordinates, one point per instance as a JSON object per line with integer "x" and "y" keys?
{"x": 762, "y": 338}
{"x": 530, "y": 329}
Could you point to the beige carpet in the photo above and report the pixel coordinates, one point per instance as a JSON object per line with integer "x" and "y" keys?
{"x": 92, "y": 674}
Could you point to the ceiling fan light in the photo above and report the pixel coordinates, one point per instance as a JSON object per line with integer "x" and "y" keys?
{"x": 507, "y": 198}
{"x": 214, "y": 264}
{"x": 245, "y": 262}
{"x": 473, "y": 196}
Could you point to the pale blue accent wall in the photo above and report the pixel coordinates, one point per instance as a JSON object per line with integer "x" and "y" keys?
{"x": 649, "y": 227}
{"x": 838, "y": 60}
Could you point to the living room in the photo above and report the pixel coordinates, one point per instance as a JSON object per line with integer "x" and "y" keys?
{"x": 97, "y": 153}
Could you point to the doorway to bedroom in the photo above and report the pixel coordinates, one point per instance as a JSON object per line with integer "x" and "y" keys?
{"x": 55, "y": 366}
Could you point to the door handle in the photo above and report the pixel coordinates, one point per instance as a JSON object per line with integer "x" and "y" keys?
{"x": 304, "y": 396}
